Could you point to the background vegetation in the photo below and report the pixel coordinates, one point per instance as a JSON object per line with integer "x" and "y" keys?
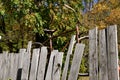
{"x": 25, "y": 20}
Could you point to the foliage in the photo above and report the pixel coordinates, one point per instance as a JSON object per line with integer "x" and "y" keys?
{"x": 102, "y": 14}
{"x": 20, "y": 21}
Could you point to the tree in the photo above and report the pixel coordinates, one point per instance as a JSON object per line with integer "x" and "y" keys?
{"x": 21, "y": 21}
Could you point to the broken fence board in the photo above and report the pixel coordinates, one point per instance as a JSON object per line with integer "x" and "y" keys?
{"x": 76, "y": 61}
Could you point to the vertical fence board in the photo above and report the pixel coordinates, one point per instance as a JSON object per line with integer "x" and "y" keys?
{"x": 103, "y": 72}
{"x": 93, "y": 54}
{"x": 113, "y": 73}
{"x": 20, "y": 63}
{"x": 13, "y": 66}
{"x": 57, "y": 66}
{"x": 20, "y": 57}
{"x": 1, "y": 68}
{"x": 42, "y": 63}
{"x": 76, "y": 61}
{"x": 11, "y": 58}
{"x": 6, "y": 65}
{"x": 49, "y": 74}
{"x": 70, "y": 49}
{"x": 34, "y": 64}
{"x": 26, "y": 62}
{"x": 16, "y": 59}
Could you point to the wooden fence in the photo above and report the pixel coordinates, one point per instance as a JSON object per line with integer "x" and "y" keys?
{"x": 27, "y": 66}
{"x": 34, "y": 65}
{"x": 103, "y": 54}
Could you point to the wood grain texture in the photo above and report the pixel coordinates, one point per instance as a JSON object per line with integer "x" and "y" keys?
{"x": 93, "y": 54}
{"x": 70, "y": 49}
{"x": 26, "y": 62}
{"x": 34, "y": 64}
{"x": 49, "y": 74}
{"x": 79, "y": 49}
{"x": 103, "y": 71}
{"x": 57, "y": 66}
{"x": 112, "y": 46}
{"x": 42, "y": 63}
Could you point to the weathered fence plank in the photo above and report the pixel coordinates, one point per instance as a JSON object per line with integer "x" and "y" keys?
{"x": 76, "y": 61}
{"x": 57, "y": 66}
{"x": 93, "y": 54}
{"x": 26, "y": 62}
{"x": 34, "y": 64}
{"x": 1, "y": 67}
{"x": 103, "y": 72}
{"x": 13, "y": 66}
{"x": 11, "y": 73}
{"x": 42, "y": 63}
{"x": 113, "y": 73}
{"x": 70, "y": 49}
{"x": 20, "y": 63}
{"x": 20, "y": 58}
{"x": 6, "y": 65}
{"x": 49, "y": 74}
{"x": 16, "y": 59}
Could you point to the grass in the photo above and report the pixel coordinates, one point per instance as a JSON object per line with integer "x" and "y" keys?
{"x": 83, "y": 78}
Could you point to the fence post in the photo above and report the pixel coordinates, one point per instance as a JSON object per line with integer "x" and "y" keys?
{"x": 93, "y": 54}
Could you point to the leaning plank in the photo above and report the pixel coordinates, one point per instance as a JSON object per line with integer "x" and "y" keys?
{"x": 113, "y": 73}
{"x": 34, "y": 64}
{"x": 103, "y": 72}
{"x": 93, "y": 54}
{"x": 26, "y": 62}
{"x": 76, "y": 61}
{"x": 70, "y": 49}
{"x": 49, "y": 74}
{"x": 57, "y": 66}
{"x": 42, "y": 63}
